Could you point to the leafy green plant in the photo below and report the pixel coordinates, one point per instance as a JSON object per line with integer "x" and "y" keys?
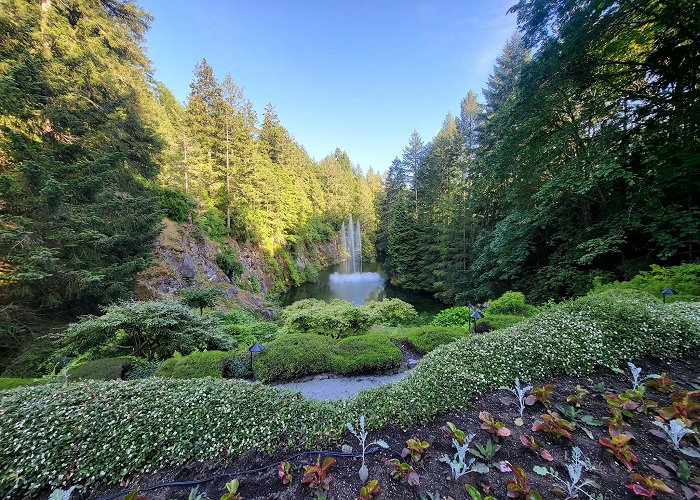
{"x": 552, "y": 423}
{"x": 540, "y": 395}
{"x": 493, "y": 426}
{"x": 232, "y": 491}
{"x": 619, "y": 447}
{"x": 512, "y": 303}
{"x": 318, "y": 478}
{"x": 529, "y": 442}
{"x": 230, "y": 265}
{"x": 59, "y": 494}
{"x": 662, "y": 383}
{"x": 485, "y": 451}
{"x": 199, "y": 297}
{"x": 475, "y": 494}
{"x": 361, "y": 435}
{"x": 520, "y": 393}
{"x": 390, "y": 312}
{"x": 578, "y": 396}
{"x": 683, "y": 407}
{"x": 453, "y": 316}
{"x": 236, "y": 365}
{"x": 403, "y": 471}
{"x": 451, "y": 431}
{"x": 283, "y": 472}
{"x": 426, "y": 338}
{"x": 415, "y": 448}
{"x": 100, "y": 369}
{"x": 368, "y": 491}
{"x": 647, "y": 486}
{"x": 519, "y": 487}
{"x": 674, "y": 433}
{"x": 197, "y": 364}
{"x": 336, "y": 319}
{"x": 194, "y": 494}
{"x": 458, "y": 464}
{"x": 575, "y": 485}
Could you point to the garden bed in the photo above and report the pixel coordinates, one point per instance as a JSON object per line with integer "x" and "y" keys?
{"x": 611, "y": 476}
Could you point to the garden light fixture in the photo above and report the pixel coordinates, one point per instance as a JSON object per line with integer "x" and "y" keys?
{"x": 667, "y": 291}
{"x": 255, "y": 348}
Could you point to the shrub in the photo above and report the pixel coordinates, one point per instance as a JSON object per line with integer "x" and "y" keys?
{"x": 211, "y": 223}
{"x": 198, "y": 364}
{"x": 149, "y": 329}
{"x": 364, "y": 353}
{"x": 390, "y": 312}
{"x": 501, "y": 321}
{"x": 426, "y": 338}
{"x": 236, "y": 316}
{"x": 684, "y": 279}
{"x": 483, "y": 327}
{"x": 293, "y": 356}
{"x": 10, "y": 383}
{"x": 141, "y": 368}
{"x": 236, "y": 365}
{"x": 199, "y": 297}
{"x": 174, "y": 203}
{"x": 511, "y": 303}
{"x": 73, "y": 428}
{"x": 245, "y": 335}
{"x": 230, "y": 265}
{"x": 336, "y": 319}
{"x": 453, "y": 316}
{"x": 100, "y": 369}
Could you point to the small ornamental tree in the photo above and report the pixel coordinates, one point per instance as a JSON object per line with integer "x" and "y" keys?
{"x": 200, "y": 297}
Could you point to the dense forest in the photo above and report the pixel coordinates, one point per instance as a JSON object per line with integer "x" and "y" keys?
{"x": 94, "y": 153}
{"x": 581, "y": 163}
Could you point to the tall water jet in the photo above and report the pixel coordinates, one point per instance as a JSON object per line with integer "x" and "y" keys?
{"x": 351, "y": 242}
{"x": 358, "y": 245}
{"x": 351, "y": 246}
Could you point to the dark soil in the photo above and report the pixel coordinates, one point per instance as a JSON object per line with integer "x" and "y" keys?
{"x": 611, "y": 475}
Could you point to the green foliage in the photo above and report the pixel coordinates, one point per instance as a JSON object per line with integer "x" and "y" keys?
{"x": 683, "y": 279}
{"x": 500, "y": 321}
{"x": 230, "y": 265}
{"x": 200, "y": 297}
{"x": 335, "y": 319}
{"x": 7, "y": 383}
{"x": 364, "y": 354}
{"x": 237, "y": 365}
{"x": 197, "y": 364}
{"x": 141, "y": 368}
{"x": 390, "y": 312}
{"x": 100, "y": 369}
{"x": 560, "y": 340}
{"x": 453, "y": 316}
{"x": 153, "y": 330}
{"x": 426, "y": 338}
{"x": 212, "y": 224}
{"x": 511, "y": 303}
{"x": 235, "y": 316}
{"x": 246, "y": 334}
{"x": 174, "y": 203}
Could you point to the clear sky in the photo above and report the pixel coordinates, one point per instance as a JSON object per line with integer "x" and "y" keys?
{"x": 360, "y": 75}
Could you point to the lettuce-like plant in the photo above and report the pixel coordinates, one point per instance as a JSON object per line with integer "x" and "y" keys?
{"x": 451, "y": 431}
{"x": 540, "y": 394}
{"x": 619, "y": 447}
{"x": 662, "y": 383}
{"x": 318, "y": 478}
{"x": 683, "y": 407}
{"x": 283, "y": 472}
{"x": 674, "y": 432}
{"x": 553, "y": 424}
{"x": 520, "y": 393}
{"x": 518, "y": 487}
{"x": 493, "y": 426}
{"x": 368, "y": 491}
{"x": 231, "y": 491}
{"x": 529, "y": 442}
{"x": 415, "y": 448}
{"x": 578, "y": 396}
{"x": 647, "y": 486}
{"x": 402, "y": 470}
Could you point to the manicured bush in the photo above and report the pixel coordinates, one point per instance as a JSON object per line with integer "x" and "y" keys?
{"x": 453, "y": 316}
{"x": 236, "y": 365}
{"x": 7, "y": 383}
{"x": 364, "y": 353}
{"x": 293, "y": 356}
{"x": 80, "y": 428}
{"x": 100, "y": 369}
{"x": 683, "y": 279}
{"x": 246, "y": 334}
{"x": 511, "y": 303}
{"x": 336, "y": 319}
{"x": 426, "y": 338}
{"x": 147, "y": 329}
{"x": 390, "y": 312}
{"x": 501, "y": 321}
{"x": 195, "y": 365}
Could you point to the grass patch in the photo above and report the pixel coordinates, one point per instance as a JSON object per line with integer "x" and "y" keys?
{"x": 7, "y": 383}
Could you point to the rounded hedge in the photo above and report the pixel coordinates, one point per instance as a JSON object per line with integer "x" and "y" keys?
{"x": 198, "y": 364}
{"x": 53, "y": 435}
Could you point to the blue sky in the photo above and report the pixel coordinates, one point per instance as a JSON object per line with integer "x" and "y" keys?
{"x": 360, "y": 75}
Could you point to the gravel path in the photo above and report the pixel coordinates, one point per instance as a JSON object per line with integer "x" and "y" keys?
{"x": 324, "y": 387}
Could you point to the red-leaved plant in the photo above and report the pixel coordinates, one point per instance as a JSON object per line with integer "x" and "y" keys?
{"x": 415, "y": 448}
{"x": 646, "y": 486}
{"x": 283, "y": 472}
{"x": 402, "y": 470}
{"x": 493, "y": 426}
{"x": 553, "y": 423}
{"x": 529, "y": 442}
{"x": 662, "y": 383}
{"x": 540, "y": 394}
{"x": 619, "y": 447}
{"x": 518, "y": 487}
{"x": 317, "y": 476}
{"x": 368, "y": 491}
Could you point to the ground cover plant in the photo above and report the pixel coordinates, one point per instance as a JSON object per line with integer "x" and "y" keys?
{"x": 79, "y": 419}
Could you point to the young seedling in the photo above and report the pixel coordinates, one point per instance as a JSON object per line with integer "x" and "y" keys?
{"x": 620, "y": 448}
{"x": 318, "y": 478}
{"x": 553, "y": 424}
{"x": 578, "y": 396}
{"x": 485, "y": 451}
{"x": 283, "y": 472}
{"x": 520, "y": 393}
{"x": 401, "y": 470}
{"x": 662, "y": 383}
{"x": 646, "y": 486}
{"x": 196, "y": 495}
{"x": 518, "y": 487}
{"x": 475, "y": 494}
{"x": 574, "y": 484}
{"x": 599, "y": 387}
{"x": 573, "y": 416}
{"x": 361, "y": 436}
{"x": 458, "y": 465}
{"x": 674, "y": 432}
{"x": 368, "y": 491}
{"x": 451, "y": 431}
{"x": 683, "y": 407}
{"x": 232, "y": 491}
{"x": 540, "y": 394}
{"x": 492, "y": 426}
{"x": 415, "y": 448}
{"x": 635, "y": 372}
{"x": 529, "y": 442}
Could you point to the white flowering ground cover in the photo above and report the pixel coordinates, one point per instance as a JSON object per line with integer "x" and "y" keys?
{"x": 91, "y": 432}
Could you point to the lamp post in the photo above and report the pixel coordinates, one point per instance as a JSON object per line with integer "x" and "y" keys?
{"x": 476, "y": 315}
{"x": 667, "y": 291}
{"x": 255, "y": 348}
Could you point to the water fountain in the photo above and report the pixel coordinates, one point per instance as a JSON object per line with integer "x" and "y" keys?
{"x": 351, "y": 246}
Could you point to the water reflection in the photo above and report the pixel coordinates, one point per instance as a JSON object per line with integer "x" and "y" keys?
{"x": 359, "y": 288}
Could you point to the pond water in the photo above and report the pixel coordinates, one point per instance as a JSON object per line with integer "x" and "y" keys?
{"x": 360, "y": 287}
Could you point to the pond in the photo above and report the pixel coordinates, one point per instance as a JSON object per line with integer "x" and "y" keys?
{"x": 370, "y": 284}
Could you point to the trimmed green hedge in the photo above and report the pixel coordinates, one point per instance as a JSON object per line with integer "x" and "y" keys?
{"x": 80, "y": 429}
{"x": 501, "y": 321}
{"x": 7, "y": 383}
{"x": 426, "y": 338}
{"x": 364, "y": 353}
{"x": 198, "y": 364}
{"x": 100, "y": 369}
